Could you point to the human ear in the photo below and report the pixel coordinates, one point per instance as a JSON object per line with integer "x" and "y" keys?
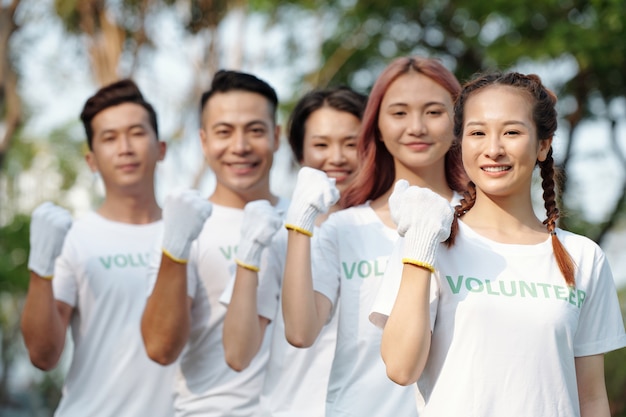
{"x": 544, "y": 148}
{"x": 90, "y": 158}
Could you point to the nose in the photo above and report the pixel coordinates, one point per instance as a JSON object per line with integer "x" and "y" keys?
{"x": 241, "y": 144}
{"x": 337, "y": 154}
{"x": 125, "y": 144}
{"x": 417, "y": 125}
{"x": 494, "y": 147}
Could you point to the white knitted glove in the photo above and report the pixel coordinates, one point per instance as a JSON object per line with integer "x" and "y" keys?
{"x": 260, "y": 222}
{"x": 184, "y": 214}
{"x": 395, "y": 199}
{"x": 424, "y": 219}
{"x": 49, "y": 225}
{"x": 314, "y": 194}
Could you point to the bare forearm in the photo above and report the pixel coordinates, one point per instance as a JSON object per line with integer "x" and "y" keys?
{"x": 166, "y": 319}
{"x": 591, "y": 386}
{"x": 302, "y": 318}
{"x": 42, "y": 325}
{"x": 243, "y": 332}
{"x": 406, "y": 336}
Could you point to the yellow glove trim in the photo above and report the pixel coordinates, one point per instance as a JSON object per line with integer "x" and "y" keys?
{"x": 298, "y": 229}
{"x": 173, "y": 258}
{"x": 418, "y": 263}
{"x": 247, "y": 266}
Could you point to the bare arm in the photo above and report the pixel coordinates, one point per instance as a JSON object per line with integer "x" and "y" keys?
{"x": 591, "y": 386}
{"x": 305, "y": 311}
{"x": 167, "y": 316}
{"x": 406, "y": 336}
{"x": 243, "y": 327}
{"x": 44, "y": 323}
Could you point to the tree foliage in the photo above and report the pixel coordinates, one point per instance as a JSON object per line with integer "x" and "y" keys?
{"x": 470, "y": 37}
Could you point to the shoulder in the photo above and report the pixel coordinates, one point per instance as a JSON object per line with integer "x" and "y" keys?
{"x": 352, "y": 215}
{"x": 579, "y": 246}
{"x": 86, "y": 223}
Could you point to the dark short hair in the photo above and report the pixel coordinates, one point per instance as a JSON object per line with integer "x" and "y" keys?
{"x": 119, "y": 92}
{"x": 227, "y": 80}
{"x": 339, "y": 98}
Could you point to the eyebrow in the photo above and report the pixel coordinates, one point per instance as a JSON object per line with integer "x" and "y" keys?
{"x": 113, "y": 130}
{"x": 507, "y": 123}
{"x": 226, "y": 124}
{"x": 430, "y": 103}
{"x": 328, "y": 137}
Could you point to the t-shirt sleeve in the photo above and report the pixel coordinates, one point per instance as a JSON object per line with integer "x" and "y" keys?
{"x": 600, "y": 327}
{"x": 192, "y": 271}
{"x": 154, "y": 262}
{"x": 227, "y": 295}
{"x": 325, "y": 262}
{"x": 65, "y": 284}
{"x": 390, "y": 287}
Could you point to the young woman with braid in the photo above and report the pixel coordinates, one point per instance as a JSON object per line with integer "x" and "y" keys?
{"x": 511, "y": 317}
{"x": 406, "y": 133}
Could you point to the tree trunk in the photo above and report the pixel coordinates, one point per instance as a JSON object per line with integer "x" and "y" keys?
{"x": 10, "y": 101}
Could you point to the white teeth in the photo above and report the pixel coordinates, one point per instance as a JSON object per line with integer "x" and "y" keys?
{"x": 242, "y": 166}
{"x": 496, "y": 169}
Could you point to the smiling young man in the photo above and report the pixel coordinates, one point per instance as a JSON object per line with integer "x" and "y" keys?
{"x": 183, "y": 319}
{"x": 100, "y": 278}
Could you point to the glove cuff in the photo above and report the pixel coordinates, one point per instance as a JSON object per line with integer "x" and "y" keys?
{"x": 301, "y": 220}
{"x": 44, "y": 269}
{"x": 180, "y": 256}
{"x": 420, "y": 249}
{"x": 249, "y": 255}
{"x": 247, "y": 266}
{"x": 298, "y": 229}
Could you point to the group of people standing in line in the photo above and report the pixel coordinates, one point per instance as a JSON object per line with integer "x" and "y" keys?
{"x": 408, "y": 253}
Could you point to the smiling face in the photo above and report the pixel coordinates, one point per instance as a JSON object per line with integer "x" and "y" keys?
{"x": 125, "y": 149}
{"x": 415, "y": 122}
{"x": 499, "y": 142}
{"x": 330, "y": 144}
{"x": 239, "y": 138}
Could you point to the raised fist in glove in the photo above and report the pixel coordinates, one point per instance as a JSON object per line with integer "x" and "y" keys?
{"x": 424, "y": 219}
{"x": 260, "y": 222}
{"x": 49, "y": 225}
{"x": 184, "y": 214}
{"x": 314, "y": 194}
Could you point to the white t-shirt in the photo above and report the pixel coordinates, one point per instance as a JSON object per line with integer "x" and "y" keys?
{"x": 205, "y": 384}
{"x": 506, "y": 328}
{"x": 102, "y": 274}
{"x": 296, "y": 379}
{"x": 349, "y": 259}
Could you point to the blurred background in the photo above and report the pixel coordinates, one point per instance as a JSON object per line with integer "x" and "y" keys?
{"x": 54, "y": 54}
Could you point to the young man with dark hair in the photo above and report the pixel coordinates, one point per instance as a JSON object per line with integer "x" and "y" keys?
{"x": 183, "y": 316}
{"x": 92, "y": 275}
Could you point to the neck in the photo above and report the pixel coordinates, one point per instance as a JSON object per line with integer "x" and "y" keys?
{"x": 431, "y": 177}
{"x": 238, "y": 199}
{"x": 139, "y": 208}
{"x": 508, "y": 220}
